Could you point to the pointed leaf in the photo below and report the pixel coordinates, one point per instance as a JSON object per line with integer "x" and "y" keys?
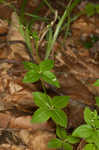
{"x": 97, "y": 8}
{"x": 30, "y": 66}
{"x": 90, "y": 147}
{"x": 83, "y": 131}
{"x": 46, "y": 65}
{"x": 87, "y": 115}
{"x": 55, "y": 143}
{"x": 96, "y": 123}
{"x": 61, "y": 132}
{"x": 41, "y": 115}
{"x": 50, "y": 78}
{"x": 60, "y": 101}
{"x": 96, "y": 83}
{"x": 67, "y": 146}
{"x": 59, "y": 117}
{"x": 31, "y": 77}
{"x": 90, "y": 116}
{"x": 41, "y": 99}
{"x": 72, "y": 140}
{"x": 97, "y": 100}
{"x": 90, "y": 9}
{"x": 95, "y": 138}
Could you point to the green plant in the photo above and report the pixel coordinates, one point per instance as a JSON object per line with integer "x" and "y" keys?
{"x": 63, "y": 140}
{"x": 71, "y": 5}
{"x": 90, "y": 43}
{"x": 89, "y": 131}
{"x": 91, "y": 9}
{"x": 40, "y": 72}
{"x": 50, "y": 108}
{"x": 47, "y": 107}
{"x": 97, "y": 97}
{"x": 22, "y": 11}
{"x": 2, "y": 1}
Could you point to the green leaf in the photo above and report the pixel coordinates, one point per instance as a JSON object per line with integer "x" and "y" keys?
{"x": 67, "y": 146}
{"x": 36, "y": 17}
{"x": 87, "y": 44}
{"x": 97, "y": 100}
{"x": 90, "y": 116}
{"x": 2, "y": 1}
{"x": 41, "y": 99}
{"x": 89, "y": 139}
{"x": 27, "y": 38}
{"x": 95, "y": 138}
{"x": 90, "y": 147}
{"x": 87, "y": 115}
{"x": 83, "y": 131}
{"x": 90, "y": 9}
{"x": 72, "y": 140}
{"x": 97, "y": 8}
{"x": 74, "y": 4}
{"x": 22, "y": 11}
{"x": 46, "y": 65}
{"x": 31, "y": 77}
{"x": 96, "y": 83}
{"x": 50, "y": 36}
{"x": 50, "y": 78}
{"x": 61, "y": 132}
{"x": 60, "y": 101}
{"x": 41, "y": 115}
{"x": 35, "y": 36}
{"x": 59, "y": 117}
{"x": 30, "y": 66}
{"x": 55, "y": 143}
{"x": 96, "y": 123}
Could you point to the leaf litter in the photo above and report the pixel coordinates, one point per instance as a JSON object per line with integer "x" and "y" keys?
{"x": 76, "y": 67}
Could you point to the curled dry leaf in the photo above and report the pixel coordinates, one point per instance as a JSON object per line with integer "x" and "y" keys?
{"x": 37, "y": 140}
{"x": 22, "y": 122}
{"x": 3, "y": 27}
{"x": 18, "y": 50}
{"x": 12, "y": 147}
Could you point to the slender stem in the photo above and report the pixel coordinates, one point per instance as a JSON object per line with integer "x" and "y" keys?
{"x": 58, "y": 27}
{"x": 37, "y": 54}
{"x": 43, "y": 86}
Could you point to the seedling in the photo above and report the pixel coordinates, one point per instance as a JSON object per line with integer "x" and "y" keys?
{"x": 63, "y": 140}
{"x": 50, "y": 108}
{"x": 90, "y": 130}
{"x": 40, "y": 72}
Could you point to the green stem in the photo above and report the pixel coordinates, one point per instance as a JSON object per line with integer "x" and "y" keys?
{"x": 58, "y": 27}
{"x": 43, "y": 86}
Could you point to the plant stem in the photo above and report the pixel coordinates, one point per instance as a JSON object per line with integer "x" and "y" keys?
{"x": 43, "y": 86}
{"x": 58, "y": 27}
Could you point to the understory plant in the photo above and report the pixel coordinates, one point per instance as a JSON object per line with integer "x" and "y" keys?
{"x": 52, "y": 107}
{"x": 89, "y": 131}
{"x": 48, "y": 107}
{"x": 63, "y": 140}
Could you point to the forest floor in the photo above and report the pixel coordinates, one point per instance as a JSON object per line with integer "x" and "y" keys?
{"x": 76, "y": 68}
